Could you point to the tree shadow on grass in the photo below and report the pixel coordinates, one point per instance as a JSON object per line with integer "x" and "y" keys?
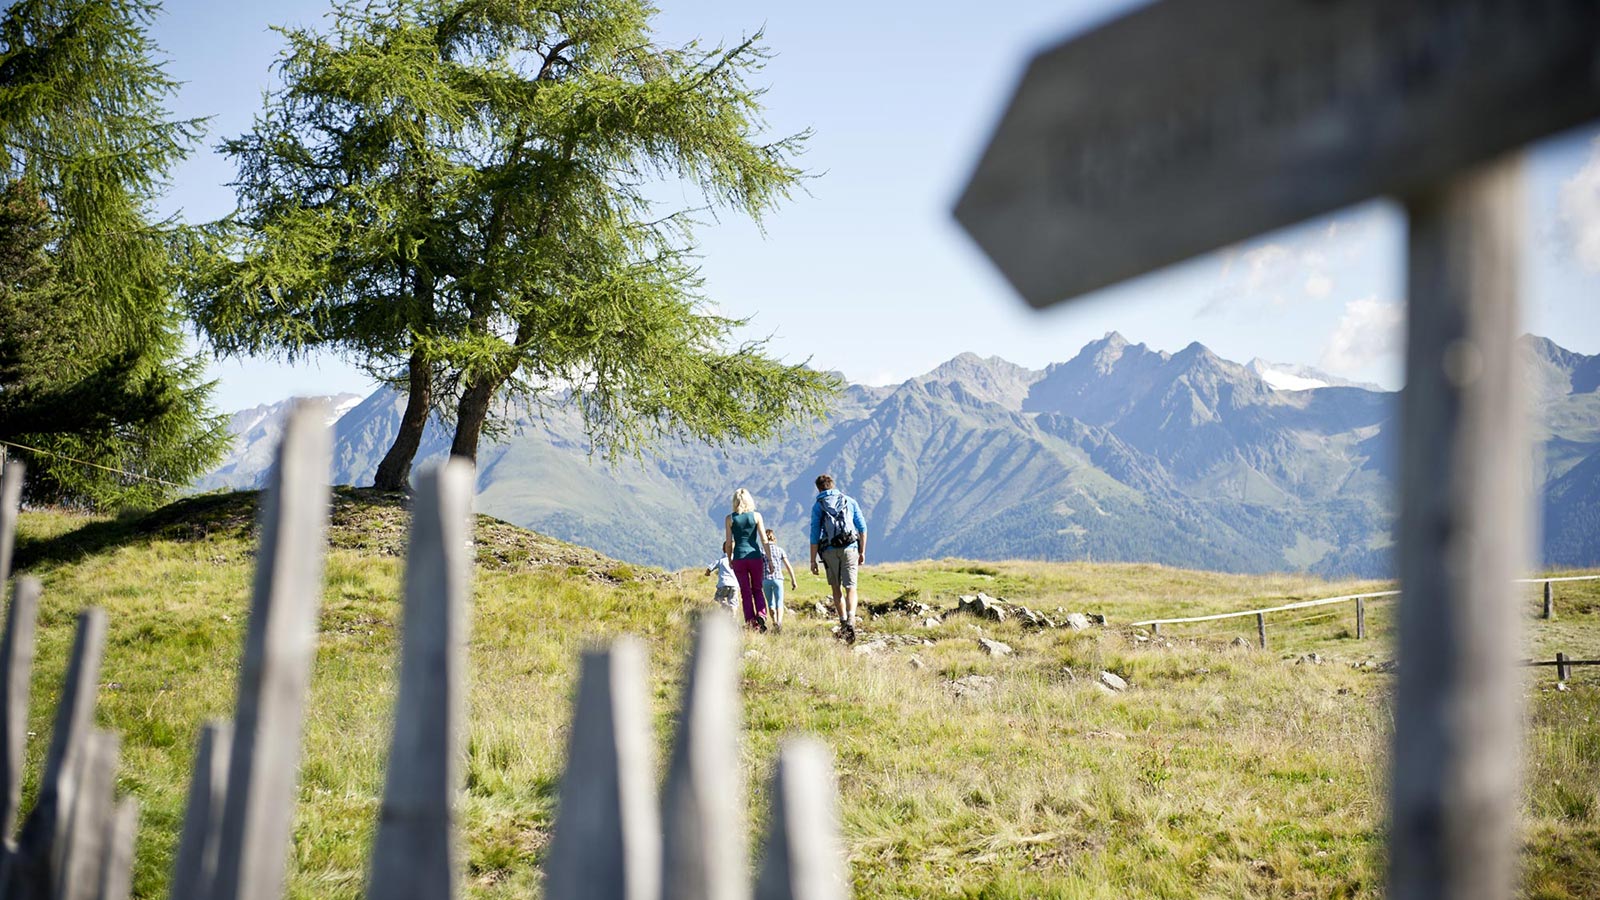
{"x": 197, "y": 518}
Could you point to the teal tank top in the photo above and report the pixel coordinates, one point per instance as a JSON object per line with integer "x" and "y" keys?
{"x": 746, "y": 544}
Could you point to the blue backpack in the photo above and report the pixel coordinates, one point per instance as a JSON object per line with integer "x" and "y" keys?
{"x": 837, "y": 528}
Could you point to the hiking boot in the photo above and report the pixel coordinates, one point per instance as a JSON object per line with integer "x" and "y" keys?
{"x": 761, "y": 624}
{"x": 847, "y": 632}
{"x": 777, "y": 628}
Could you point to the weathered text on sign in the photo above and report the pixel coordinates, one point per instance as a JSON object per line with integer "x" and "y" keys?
{"x": 1187, "y": 126}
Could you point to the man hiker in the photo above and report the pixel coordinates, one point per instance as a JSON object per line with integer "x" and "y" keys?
{"x": 839, "y": 536}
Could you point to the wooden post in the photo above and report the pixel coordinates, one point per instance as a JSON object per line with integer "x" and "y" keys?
{"x": 16, "y": 670}
{"x": 1563, "y": 671}
{"x": 1261, "y": 629}
{"x": 607, "y": 840}
{"x": 90, "y": 824}
{"x": 803, "y": 859}
{"x": 1155, "y": 629}
{"x": 1463, "y": 528}
{"x": 116, "y": 881}
{"x": 195, "y": 867}
{"x": 702, "y": 809}
{"x": 35, "y": 869}
{"x": 279, "y": 645}
{"x": 10, "y": 504}
{"x": 1361, "y": 619}
{"x": 1549, "y": 602}
{"x": 415, "y": 856}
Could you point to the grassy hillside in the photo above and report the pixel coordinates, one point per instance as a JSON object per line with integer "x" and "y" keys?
{"x": 1221, "y": 772}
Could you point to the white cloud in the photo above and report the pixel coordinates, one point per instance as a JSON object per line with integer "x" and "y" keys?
{"x": 1580, "y": 210}
{"x": 1318, "y": 285}
{"x": 1369, "y": 330}
{"x": 1262, "y": 264}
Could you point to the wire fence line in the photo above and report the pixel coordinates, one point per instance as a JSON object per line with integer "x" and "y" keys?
{"x": 93, "y": 465}
{"x": 1324, "y": 601}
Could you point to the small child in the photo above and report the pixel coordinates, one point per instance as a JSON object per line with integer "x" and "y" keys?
{"x": 772, "y": 581}
{"x": 727, "y": 583}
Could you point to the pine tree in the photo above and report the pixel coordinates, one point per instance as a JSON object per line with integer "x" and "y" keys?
{"x": 457, "y": 194}
{"x": 82, "y": 123}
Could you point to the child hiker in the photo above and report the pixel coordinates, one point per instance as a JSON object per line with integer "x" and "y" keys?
{"x": 727, "y": 582}
{"x": 772, "y": 583}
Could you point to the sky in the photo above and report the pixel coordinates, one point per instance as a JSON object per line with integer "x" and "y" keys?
{"x": 866, "y": 272}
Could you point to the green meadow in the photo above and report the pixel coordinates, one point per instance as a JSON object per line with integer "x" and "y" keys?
{"x": 1222, "y": 771}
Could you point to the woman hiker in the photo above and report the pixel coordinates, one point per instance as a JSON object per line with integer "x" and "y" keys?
{"x": 772, "y": 585}
{"x": 743, "y": 530}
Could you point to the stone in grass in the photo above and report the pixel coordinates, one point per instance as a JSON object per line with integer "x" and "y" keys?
{"x": 1241, "y": 642}
{"x": 1077, "y": 621}
{"x": 1314, "y": 659}
{"x": 917, "y": 663}
{"x": 1113, "y": 681}
{"x": 871, "y": 647}
{"x": 994, "y": 648}
{"x": 931, "y": 622}
{"x": 974, "y": 685}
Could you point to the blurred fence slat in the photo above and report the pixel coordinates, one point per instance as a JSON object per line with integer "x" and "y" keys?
{"x": 89, "y": 825}
{"x": 607, "y": 840}
{"x": 16, "y": 667}
{"x": 10, "y": 502}
{"x": 116, "y": 877}
{"x": 196, "y": 864}
{"x": 35, "y": 870}
{"x": 263, "y": 771}
{"x": 702, "y": 827}
{"x": 415, "y": 853}
{"x": 804, "y": 859}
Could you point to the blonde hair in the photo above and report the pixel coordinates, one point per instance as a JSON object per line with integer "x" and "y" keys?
{"x": 743, "y": 502}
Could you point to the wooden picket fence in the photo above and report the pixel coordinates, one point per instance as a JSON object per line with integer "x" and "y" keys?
{"x": 613, "y": 837}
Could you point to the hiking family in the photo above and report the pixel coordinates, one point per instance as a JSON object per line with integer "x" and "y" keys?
{"x": 753, "y": 565}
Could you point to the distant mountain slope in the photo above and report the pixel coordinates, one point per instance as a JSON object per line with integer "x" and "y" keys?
{"x": 255, "y": 438}
{"x": 1120, "y": 453}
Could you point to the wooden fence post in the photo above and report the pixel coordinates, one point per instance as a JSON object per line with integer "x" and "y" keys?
{"x": 415, "y": 853}
{"x": 1261, "y": 629}
{"x": 607, "y": 840}
{"x": 16, "y": 670}
{"x": 702, "y": 810}
{"x": 195, "y": 867}
{"x": 1462, "y": 535}
{"x": 1549, "y": 602}
{"x": 89, "y": 825}
{"x": 10, "y": 504}
{"x": 36, "y": 868}
{"x": 116, "y": 881}
{"x": 263, "y": 772}
{"x": 1155, "y": 630}
{"x": 1563, "y": 671}
{"x": 1361, "y": 619}
{"x": 803, "y": 859}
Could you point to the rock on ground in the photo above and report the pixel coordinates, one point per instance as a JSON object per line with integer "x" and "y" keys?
{"x": 973, "y": 685}
{"x": 1113, "y": 681}
{"x": 995, "y": 648}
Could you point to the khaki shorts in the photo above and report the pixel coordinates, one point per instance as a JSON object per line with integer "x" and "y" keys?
{"x": 841, "y": 565}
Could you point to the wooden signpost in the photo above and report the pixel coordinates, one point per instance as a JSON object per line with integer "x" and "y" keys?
{"x": 1187, "y": 126}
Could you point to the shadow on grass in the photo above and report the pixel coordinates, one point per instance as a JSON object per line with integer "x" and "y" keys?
{"x": 196, "y": 518}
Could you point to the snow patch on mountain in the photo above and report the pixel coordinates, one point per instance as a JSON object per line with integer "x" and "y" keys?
{"x": 1290, "y": 377}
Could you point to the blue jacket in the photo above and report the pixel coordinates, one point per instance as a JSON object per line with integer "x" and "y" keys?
{"x": 850, "y": 505}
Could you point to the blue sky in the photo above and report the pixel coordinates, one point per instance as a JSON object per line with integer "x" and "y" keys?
{"x": 866, "y": 272}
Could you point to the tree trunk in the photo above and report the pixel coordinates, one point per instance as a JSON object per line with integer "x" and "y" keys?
{"x": 395, "y": 470}
{"x": 470, "y": 415}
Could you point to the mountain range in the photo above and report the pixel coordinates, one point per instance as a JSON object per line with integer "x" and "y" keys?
{"x": 1120, "y": 453}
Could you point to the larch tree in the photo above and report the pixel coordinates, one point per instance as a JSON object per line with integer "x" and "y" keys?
{"x": 93, "y": 367}
{"x": 457, "y": 194}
